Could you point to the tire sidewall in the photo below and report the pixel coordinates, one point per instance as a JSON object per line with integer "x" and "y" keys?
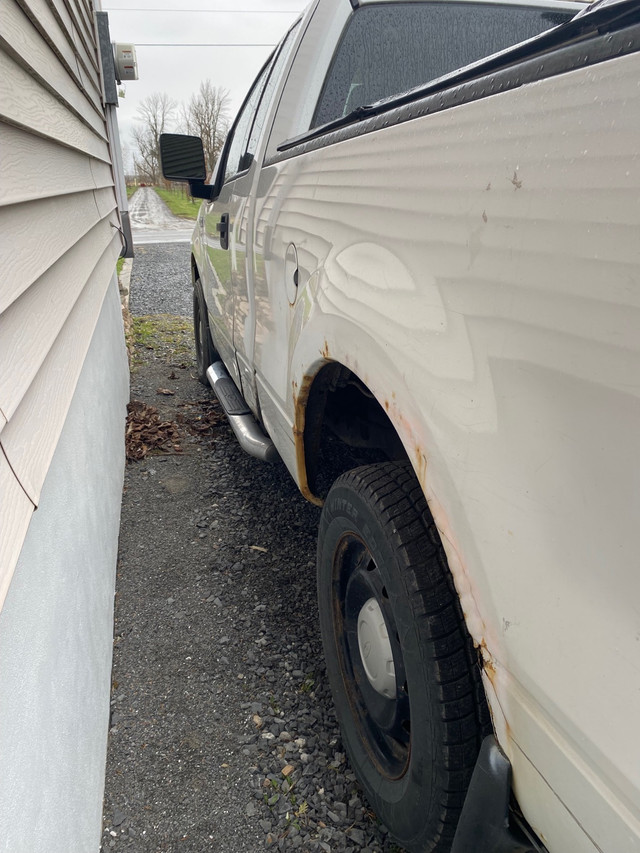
{"x": 205, "y": 353}
{"x": 414, "y": 794}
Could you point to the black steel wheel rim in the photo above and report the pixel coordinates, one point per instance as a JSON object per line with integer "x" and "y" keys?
{"x": 384, "y": 723}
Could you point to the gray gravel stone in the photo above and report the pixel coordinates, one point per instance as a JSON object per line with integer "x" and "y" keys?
{"x": 187, "y": 763}
{"x": 161, "y": 280}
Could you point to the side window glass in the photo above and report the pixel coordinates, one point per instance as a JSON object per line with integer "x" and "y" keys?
{"x": 274, "y": 78}
{"x": 390, "y": 48}
{"x": 236, "y": 161}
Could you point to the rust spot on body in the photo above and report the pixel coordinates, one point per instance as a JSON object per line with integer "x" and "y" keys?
{"x": 421, "y": 465}
{"x": 488, "y": 663}
{"x": 300, "y": 404}
{"x": 324, "y": 352}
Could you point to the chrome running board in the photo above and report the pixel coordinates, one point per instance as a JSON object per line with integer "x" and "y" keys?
{"x": 246, "y": 428}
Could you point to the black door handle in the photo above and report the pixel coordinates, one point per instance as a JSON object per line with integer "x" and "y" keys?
{"x": 223, "y": 230}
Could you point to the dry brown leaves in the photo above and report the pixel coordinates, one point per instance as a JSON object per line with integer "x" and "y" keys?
{"x": 146, "y": 432}
{"x": 205, "y": 422}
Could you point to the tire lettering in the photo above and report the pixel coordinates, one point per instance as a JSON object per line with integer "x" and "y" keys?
{"x": 346, "y": 507}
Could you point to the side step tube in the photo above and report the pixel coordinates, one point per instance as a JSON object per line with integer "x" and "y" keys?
{"x": 242, "y": 422}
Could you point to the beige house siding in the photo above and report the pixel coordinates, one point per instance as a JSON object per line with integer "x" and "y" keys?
{"x": 59, "y": 239}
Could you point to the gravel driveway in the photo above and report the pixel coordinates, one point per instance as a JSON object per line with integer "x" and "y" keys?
{"x": 223, "y": 736}
{"x": 161, "y": 280}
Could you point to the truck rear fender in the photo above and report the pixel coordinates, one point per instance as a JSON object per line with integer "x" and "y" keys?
{"x": 409, "y": 437}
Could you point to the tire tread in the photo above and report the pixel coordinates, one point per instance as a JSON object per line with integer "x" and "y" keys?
{"x": 394, "y": 494}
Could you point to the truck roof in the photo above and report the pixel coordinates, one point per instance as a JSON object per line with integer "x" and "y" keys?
{"x": 560, "y": 4}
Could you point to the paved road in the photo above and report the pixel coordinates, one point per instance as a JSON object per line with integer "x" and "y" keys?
{"x": 152, "y": 221}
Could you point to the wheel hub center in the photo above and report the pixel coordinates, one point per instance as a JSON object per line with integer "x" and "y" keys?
{"x": 375, "y": 649}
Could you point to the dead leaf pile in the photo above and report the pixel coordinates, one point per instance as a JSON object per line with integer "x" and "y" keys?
{"x": 146, "y": 432}
{"x": 204, "y": 423}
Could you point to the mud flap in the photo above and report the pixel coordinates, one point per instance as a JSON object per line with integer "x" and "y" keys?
{"x": 484, "y": 825}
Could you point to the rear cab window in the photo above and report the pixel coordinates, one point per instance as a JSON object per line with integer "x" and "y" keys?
{"x": 388, "y": 48}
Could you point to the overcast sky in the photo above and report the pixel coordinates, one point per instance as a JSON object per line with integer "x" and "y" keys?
{"x": 178, "y": 71}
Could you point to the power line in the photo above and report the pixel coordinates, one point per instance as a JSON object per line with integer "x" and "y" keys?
{"x": 213, "y": 11}
{"x": 203, "y": 44}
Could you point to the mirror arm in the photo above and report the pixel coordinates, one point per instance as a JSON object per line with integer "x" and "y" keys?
{"x": 199, "y": 189}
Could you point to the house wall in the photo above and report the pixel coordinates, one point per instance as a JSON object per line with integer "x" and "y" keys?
{"x": 59, "y": 238}
{"x": 56, "y": 625}
{"x": 63, "y": 392}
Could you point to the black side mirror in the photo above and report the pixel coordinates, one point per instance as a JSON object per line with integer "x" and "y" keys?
{"x": 182, "y": 159}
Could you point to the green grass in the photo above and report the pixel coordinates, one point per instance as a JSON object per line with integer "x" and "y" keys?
{"x": 163, "y": 330}
{"x": 143, "y": 331}
{"x": 180, "y": 202}
{"x": 130, "y": 191}
{"x": 164, "y": 336}
{"x": 119, "y": 265}
{"x": 308, "y": 684}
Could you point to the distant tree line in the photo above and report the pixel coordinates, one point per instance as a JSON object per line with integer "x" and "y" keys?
{"x": 205, "y": 115}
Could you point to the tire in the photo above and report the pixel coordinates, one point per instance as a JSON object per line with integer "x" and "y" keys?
{"x": 412, "y": 729}
{"x": 205, "y": 351}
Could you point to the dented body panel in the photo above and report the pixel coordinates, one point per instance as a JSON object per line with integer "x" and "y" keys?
{"x": 478, "y": 270}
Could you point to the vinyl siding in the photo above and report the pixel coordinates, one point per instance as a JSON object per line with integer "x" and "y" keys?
{"x": 59, "y": 239}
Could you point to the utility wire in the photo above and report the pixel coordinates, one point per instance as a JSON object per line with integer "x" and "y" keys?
{"x": 212, "y": 11}
{"x": 203, "y": 44}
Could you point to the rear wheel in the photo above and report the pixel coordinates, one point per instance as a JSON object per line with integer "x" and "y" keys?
{"x": 205, "y": 351}
{"x": 402, "y": 667}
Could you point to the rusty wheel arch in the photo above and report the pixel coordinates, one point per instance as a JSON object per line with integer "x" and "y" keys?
{"x": 339, "y": 425}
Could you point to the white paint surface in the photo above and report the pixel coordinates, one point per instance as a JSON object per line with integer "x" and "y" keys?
{"x": 56, "y": 624}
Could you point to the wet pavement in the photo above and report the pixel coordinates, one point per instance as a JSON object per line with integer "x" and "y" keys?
{"x": 152, "y": 221}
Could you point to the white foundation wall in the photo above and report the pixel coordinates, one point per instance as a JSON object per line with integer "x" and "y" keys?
{"x": 56, "y": 625}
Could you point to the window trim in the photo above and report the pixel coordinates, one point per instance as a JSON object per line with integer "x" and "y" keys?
{"x": 222, "y": 163}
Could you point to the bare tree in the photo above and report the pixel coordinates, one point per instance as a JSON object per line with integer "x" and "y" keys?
{"x": 206, "y": 116}
{"x": 155, "y": 114}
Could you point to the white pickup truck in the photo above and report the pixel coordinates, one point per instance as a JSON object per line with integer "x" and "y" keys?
{"x": 417, "y": 280}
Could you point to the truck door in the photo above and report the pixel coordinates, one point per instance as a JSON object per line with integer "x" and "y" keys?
{"x": 244, "y": 271}
{"x": 224, "y": 225}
